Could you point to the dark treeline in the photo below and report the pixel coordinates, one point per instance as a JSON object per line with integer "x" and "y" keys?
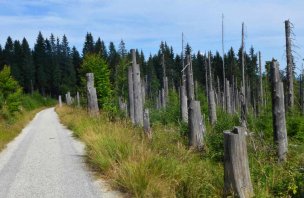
{"x": 52, "y": 67}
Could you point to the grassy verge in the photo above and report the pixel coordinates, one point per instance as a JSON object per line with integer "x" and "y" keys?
{"x": 10, "y": 129}
{"x": 12, "y": 124}
{"x": 165, "y": 167}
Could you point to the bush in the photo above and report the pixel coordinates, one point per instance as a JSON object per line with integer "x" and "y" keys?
{"x": 10, "y": 93}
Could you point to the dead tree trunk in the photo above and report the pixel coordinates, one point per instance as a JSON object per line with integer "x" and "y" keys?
{"x": 228, "y": 98}
{"x": 219, "y": 91}
{"x": 206, "y": 78}
{"x": 147, "y": 127}
{"x": 243, "y": 87}
{"x": 212, "y": 106}
{"x": 93, "y": 108}
{"x": 233, "y": 90}
{"x": 278, "y": 112}
{"x": 261, "y": 95}
{"x": 143, "y": 91}
{"x": 302, "y": 92}
{"x": 78, "y": 99}
{"x": 131, "y": 94}
{"x": 68, "y": 99}
{"x": 289, "y": 58}
{"x": 138, "y": 105}
{"x": 190, "y": 83}
{"x": 60, "y": 101}
{"x": 184, "y": 105}
{"x": 123, "y": 107}
{"x": 195, "y": 122}
{"x": 237, "y": 180}
{"x": 243, "y": 108}
{"x": 196, "y": 125}
{"x": 165, "y": 82}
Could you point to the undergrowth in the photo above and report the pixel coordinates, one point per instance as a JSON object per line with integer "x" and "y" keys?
{"x": 165, "y": 167}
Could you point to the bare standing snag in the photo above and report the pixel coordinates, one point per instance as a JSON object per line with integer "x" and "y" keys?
{"x": 93, "y": 108}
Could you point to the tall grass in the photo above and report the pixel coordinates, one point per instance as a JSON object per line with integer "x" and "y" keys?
{"x": 162, "y": 167}
{"x": 165, "y": 167}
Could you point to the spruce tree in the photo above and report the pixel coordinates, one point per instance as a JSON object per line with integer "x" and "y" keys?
{"x": 76, "y": 60}
{"x": 113, "y": 60}
{"x": 67, "y": 68}
{"x": 8, "y": 51}
{"x": 122, "y": 49}
{"x": 56, "y": 74}
{"x": 88, "y": 46}
{"x": 28, "y": 68}
{"x": 39, "y": 56}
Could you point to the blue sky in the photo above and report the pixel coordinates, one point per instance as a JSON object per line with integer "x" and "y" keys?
{"x": 143, "y": 24}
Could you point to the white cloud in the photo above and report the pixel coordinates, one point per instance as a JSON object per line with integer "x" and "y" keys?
{"x": 144, "y": 23}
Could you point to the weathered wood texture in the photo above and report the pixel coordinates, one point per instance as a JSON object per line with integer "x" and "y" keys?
{"x": 261, "y": 94}
{"x": 147, "y": 127}
{"x": 143, "y": 91}
{"x": 206, "y": 78}
{"x": 195, "y": 122}
{"x": 123, "y": 106}
{"x": 302, "y": 92}
{"x": 60, "y": 101}
{"x": 93, "y": 108}
{"x": 131, "y": 94}
{"x": 163, "y": 98}
{"x": 196, "y": 125}
{"x": 211, "y": 99}
{"x": 289, "y": 71}
{"x": 78, "y": 99}
{"x": 237, "y": 180}
{"x": 228, "y": 98}
{"x": 183, "y": 104}
{"x": 278, "y": 112}
{"x": 190, "y": 83}
{"x": 243, "y": 108}
{"x": 68, "y": 98}
{"x": 212, "y": 107}
{"x": 138, "y": 104}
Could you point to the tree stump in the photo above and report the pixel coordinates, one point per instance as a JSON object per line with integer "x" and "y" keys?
{"x": 196, "y": 126}
{"x": 237, "y": 180}
{"x": 93, "y": 108}
{"x": 147, "y": 127}
{"x": 60, "y": 101}
{"x": 212, "y": 107}
{"x": 278, "y": 112}
{"x": 78, "y": 99}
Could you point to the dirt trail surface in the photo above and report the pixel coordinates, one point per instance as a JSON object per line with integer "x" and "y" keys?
{"x": 46, "y": 161}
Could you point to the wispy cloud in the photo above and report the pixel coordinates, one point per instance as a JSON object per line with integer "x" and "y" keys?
{"x": 144, "y": 23}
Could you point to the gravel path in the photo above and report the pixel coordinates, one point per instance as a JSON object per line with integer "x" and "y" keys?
{"x": 46, "y": 161}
